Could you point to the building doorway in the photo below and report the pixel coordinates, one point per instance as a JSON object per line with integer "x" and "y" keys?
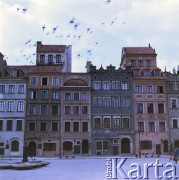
{"x": 125, "y": 145}
{"x": 67, "y": 147}
{"x": 165, "y": 146}
{"x": 32, "y": 149}
{"x": 158, "y": 149}
{"x": 177, "y": 144}
{"x": 85, "y": 147}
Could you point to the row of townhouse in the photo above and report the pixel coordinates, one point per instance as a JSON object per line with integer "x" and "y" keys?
{"x": 107, "y": 111}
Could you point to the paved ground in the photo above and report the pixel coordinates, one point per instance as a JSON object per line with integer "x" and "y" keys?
{"x": 95, "y": 168}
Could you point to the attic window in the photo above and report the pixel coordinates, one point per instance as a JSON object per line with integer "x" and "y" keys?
{"x": 58, "y": 58}
{"x": 16, "y": 73}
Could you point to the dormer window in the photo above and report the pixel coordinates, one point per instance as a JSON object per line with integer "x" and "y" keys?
{"x": 42, "y": 58}
{"x": 133, "y": 63}
{"x": 50, "y": 59}
{"x": 157, "y": 72}
{"x": 58, "y": 58}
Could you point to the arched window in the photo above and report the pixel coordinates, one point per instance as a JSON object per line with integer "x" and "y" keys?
{"x": 15, "y": 145}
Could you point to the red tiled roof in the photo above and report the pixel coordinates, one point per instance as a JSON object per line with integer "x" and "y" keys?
{"x": 51, "y": 48}
{"x": 138, "y": 50}
{"x": 24, "y": 69}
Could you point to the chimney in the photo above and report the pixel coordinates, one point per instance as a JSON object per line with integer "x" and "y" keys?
{"x": 88, "y": 64}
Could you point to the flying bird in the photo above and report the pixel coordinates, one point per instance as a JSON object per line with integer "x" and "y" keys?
{"x": 76, "y": 26}
{"x": 43, "y": 27}
{"x": 72, "y": 21}
{"x": 24, "y": 10}
{"x": 55, "y": 28}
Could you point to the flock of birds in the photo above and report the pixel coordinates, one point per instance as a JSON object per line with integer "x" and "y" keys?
{"x": 27, "y": 52}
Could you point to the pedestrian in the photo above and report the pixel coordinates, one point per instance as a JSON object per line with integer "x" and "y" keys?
{"x": 176, "y": 155}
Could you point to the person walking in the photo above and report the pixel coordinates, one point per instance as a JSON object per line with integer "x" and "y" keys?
{"x": 176, "y": 155}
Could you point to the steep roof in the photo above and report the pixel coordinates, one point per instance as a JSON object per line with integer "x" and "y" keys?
{"x": 138, "y": 50}
{"x": 50, "y": 48}
{"x": 46, "y": 69}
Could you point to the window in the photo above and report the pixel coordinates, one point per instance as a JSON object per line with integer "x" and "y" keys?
{"x": 67, "y": 126}
{"x": 1, "y": 125}
{"x": 162, "y": 126}
{"x": 19, "y": 125}
{"x": 149, "y": 89}
{"x": 55, "y": 81}
{"x": 173, "y": 103}
{"x": 99, "y": 145}
{"x": 67, "y": 110}
{"x": 55, "y": 95}
{"x": 84, "y": 109}
{"x": 21, "y": 89}
{"x": 97, "y": 102}
{"x": 44, "y": 81}
{"x": 76, "y": 109}
{"x": 32, "y": 109}
{"x": 125, "y": 102}
{"x": 102, "y": 145}
{"x": 107, "y": 123}
{"x": 76, "y": 96}
{"x": 147, "y": 72}
{"x": 138, "y": 89}
{"x": 15, "y": 146}
{"x": 150, "y": 108}
{"x": 67, "y": 96}
{"x": 2, "y": 105}
{"x": 171, "y": 87}
{"x": 148, "y": 63}
{"x": 43, "y": 126}
{"x": 9, "y": 125}
{"x": 106, "y": 85}
{"x": 49, "y": 146}
{"x": 125, "y": 122}
{"x": 139, "y": 108}
{"x": 42, "y": 58}
{"x": 115, "y": 102}
{"x": 136, "y": 72}
{"x": 58, "y": 58}
{"x": 105, "y": 145}
{"x": 33, "y": 94}
{"x": 175, "y": 123}
{"x": 96, "y": 85}
{"x": 54, "y": 109}
{"x": 159, "y": 89}
{"x": 146, "y": 144}
{"x": 117, "y": 122}
{"x": 84, "y": 96}
{"x": 44, "y": 94}
{"x": 2, "y": 89}
{"x": 85, "y": 126}
{"x": 32, "y": 126}
{"x": 151, "y": 127}
{"x": 50, "y": 58}
{"x": 141, "y": 126}
{"x": 140, "y": 63}
{"x": 20, "y": 106}
{"x": 33, "y": 81}
{"x": 106, "y": 102}
{"x": 133, "y": 63}
{"x": 10, "y": 106}
{"x": 160, "y": 108}
{"x": 115, "y": 85}
{"x": 75, "y": 126}
{"x": 43, "y": 109}
{"x": 125, "y": 86}
{"x": 11, "y": 89}
{"x": 97, "y": 123}
{"x": 54, "y": 126}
